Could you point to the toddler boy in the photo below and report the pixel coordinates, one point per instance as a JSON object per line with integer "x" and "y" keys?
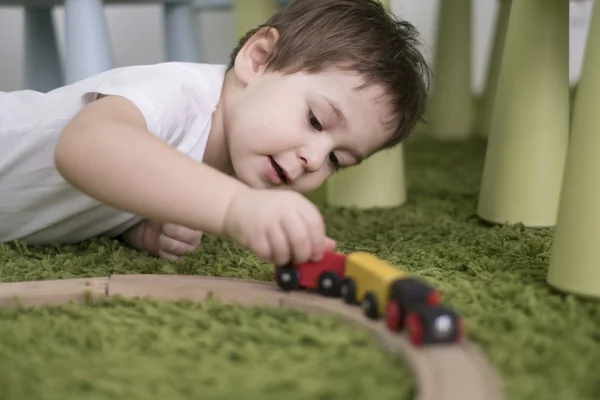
{"x": 160, "y": 154}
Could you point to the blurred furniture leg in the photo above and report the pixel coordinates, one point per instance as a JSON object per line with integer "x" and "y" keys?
{"x": 181, "y": 32}
{"x": 486, "y": 104}
{"x": 88, "y": 47}
{"x": 529, "y": 135}
{"x": 378, "y": 182}
{"x": 574, "y": 261}
{"x": 43, "y": 70}
{"x": 251, "y": 13}
{"x": 452, "y": 105}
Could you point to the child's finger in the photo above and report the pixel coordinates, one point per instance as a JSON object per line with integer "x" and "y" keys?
{"x": 330, "y": 244}
{"x": 167, "y": 256}
{"x": 173, "y": 246}
{"x": 182, "y": 234}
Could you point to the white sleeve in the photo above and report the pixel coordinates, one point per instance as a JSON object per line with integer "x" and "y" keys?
{"x": 161, "y": 96}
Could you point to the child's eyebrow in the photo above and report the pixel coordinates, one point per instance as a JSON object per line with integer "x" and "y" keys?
{"x": 336, "y": 109}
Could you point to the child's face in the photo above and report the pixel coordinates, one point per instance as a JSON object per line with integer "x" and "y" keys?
{"x": 289, "y": 121}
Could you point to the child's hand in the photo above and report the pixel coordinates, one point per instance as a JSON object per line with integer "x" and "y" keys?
{"x": 279, "y": 226}
{"x": 170, "y": 241}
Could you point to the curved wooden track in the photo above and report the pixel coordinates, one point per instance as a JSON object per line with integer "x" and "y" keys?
{"x": 448, "y": 372}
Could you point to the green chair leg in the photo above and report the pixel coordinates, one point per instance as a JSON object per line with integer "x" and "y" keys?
{"x": 377, "y": 182}
{"x": 528, "y": 139}
{"x": 452, "y": 98}
{"x": 574, "y": 262}
{"x": 486, "y": 104}
{"x": 249, "y": 14}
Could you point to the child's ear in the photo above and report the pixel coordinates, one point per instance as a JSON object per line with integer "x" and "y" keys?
{"x": 250, "y": 61}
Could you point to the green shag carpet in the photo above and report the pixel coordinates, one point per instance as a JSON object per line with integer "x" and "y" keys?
{"x": 545, "y": 345}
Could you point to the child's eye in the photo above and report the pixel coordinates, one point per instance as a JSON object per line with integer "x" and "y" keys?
{"x": 313, "y": 121}
{"x": 334, "y": 160}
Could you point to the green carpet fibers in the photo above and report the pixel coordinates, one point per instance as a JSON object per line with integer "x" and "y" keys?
{"x": 131, "y": 349}
{"x": 544, "y": 344}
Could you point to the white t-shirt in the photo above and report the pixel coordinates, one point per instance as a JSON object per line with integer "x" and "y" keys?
{"x": 36, "y": 203}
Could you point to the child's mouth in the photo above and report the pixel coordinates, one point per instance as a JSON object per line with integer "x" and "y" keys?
{"x": 278, "y": 170}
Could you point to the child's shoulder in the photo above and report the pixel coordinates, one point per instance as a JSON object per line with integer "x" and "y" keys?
{"x": 153, "y": 82}
{"x": 167, "y": 88}
{"x": 170, "y": 84}
{"x": 208, "y": 75}
{"x": 168, "y": 94}
{"x": 162, "y": 79}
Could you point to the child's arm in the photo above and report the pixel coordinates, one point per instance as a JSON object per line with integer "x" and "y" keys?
{"x": 107, "y": 152}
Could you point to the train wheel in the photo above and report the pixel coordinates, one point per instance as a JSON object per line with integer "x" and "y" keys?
{"x": 288, "y": 278}
{"x": 392, "y": 316}
{"x": 329, "y": 284}
{"x": 415, "y": 329}
{"x": 348, "y": 291}
{"x": 370, "y": 305}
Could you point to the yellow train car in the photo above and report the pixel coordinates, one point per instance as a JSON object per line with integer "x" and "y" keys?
{"x": 367, "y": 280}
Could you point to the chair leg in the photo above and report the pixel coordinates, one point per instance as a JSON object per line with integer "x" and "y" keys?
{"x": 528, "y": 139}
{"x": 377, "y": 182}
{"x": 486, "y": 105}
{"x": 574, "y": 263}
{"x": 43, "y": 70}
{"x": 250, "y": 14}
{"x": 452, "y": 105}
{"x": 181, "y": 33}
{"x": 88, "y": 47}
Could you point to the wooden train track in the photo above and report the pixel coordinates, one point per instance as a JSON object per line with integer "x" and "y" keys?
{"x": 446, "y": 372}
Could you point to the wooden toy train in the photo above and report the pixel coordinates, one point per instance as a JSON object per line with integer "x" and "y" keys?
{"x": 408, "y": 304}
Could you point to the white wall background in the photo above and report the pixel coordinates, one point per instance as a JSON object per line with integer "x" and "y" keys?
{"x": 137, "y": 35}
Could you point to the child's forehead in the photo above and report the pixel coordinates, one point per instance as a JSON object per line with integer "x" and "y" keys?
{"x": 343, "y": 83}
{"x": 349, "y": 89}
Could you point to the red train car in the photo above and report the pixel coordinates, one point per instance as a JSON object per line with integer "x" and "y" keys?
{"x": 324, "y": 277}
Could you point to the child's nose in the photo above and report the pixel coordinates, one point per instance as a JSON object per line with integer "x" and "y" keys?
{"x": 313, "y": 159}
{"x": 308, "y": 164}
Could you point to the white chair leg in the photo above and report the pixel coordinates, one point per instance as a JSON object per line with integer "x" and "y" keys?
{"x": 88, "y": 47}
{"x": 43, "y": 70}
{"x": 181, "y": 33}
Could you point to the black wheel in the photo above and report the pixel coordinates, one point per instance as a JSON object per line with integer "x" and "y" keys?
{"x": 369, "y": 305}
{"x": 348, "y": 291}
{"x": 329, "y": 284}
{"x": 288, "y": 278}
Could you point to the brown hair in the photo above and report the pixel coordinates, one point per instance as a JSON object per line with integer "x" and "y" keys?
{"x": 359, "y": 35}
